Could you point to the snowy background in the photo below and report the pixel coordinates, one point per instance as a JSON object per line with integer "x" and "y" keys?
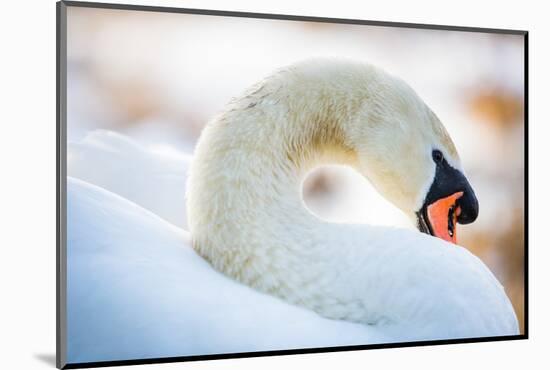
{"x": 158, "y": 78}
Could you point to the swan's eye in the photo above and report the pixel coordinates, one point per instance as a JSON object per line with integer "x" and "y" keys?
{"x": 437, "y": 156}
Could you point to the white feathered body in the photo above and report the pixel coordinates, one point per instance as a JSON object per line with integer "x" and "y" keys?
{"x": 135, "y": 288}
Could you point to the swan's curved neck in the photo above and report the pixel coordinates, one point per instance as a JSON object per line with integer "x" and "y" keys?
{"x": 266, "y": 175}
{"x": 246, "y": 212}
{"x": 247, "y": 216}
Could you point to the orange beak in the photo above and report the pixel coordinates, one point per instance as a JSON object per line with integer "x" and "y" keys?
{"x": 442, "y": 216}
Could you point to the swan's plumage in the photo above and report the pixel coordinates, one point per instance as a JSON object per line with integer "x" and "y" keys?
{"x": 154, "y": 180}
{"x": 136, "y": 289}
{"x": 247, "y": 216}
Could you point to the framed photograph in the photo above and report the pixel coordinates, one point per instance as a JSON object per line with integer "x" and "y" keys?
{"x": 236, "y": 184}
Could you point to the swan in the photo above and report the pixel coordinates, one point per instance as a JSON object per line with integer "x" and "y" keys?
{"x": 258, "y": 271}
{"x": 247, "y": 217}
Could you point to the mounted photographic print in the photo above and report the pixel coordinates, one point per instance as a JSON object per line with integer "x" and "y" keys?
{"x": 236, "y": 184}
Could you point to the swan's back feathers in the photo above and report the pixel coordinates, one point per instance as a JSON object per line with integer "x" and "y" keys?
{"x": 136, "y": 289}
{"x": 115, "y": 162}
{"x": 443, "y": 290}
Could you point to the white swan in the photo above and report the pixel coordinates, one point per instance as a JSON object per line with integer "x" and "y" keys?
{"x": 136, "y": 289}
{"x": 247, "y": 216}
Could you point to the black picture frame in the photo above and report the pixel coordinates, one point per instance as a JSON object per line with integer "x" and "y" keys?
{"x": 61, "y": 184}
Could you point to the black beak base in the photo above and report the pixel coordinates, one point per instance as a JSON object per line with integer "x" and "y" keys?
{"x": 448, "y": 181}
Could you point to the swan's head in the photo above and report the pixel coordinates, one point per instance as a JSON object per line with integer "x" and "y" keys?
{"x": 406, "y": 152}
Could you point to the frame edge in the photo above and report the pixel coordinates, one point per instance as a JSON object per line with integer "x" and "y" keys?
{"x": 288, "y": 17}
{"x": 61, "y": 216}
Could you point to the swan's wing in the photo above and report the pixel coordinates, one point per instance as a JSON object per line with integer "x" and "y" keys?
{"x": 115, "y": 162}
{"x": 137, "y": 290}
{"x": 425, "y": 288}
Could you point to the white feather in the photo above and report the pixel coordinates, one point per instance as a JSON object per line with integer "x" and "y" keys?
{"x": 136, "y": 289}
{"x": 154, "y": 180}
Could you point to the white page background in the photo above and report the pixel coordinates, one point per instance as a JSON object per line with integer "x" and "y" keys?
{"x": 27, "y": 195}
